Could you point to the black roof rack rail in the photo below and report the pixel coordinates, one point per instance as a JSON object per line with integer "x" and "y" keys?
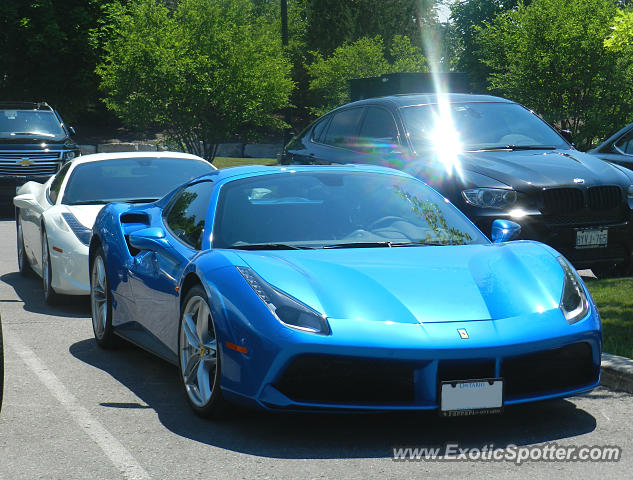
{"x": 25, "y": 105}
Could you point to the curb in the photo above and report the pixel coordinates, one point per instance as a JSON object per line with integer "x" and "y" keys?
{"x": 617, "y": 373}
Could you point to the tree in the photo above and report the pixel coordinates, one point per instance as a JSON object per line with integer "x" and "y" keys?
{"x": 203, "y": 72}
{"x": 621, "y": 38}
{"x": 466, "y": 17}
{"x": 361, "y": 59}
{"x": 45, "y": 54}
{"x": 550, "y": 56}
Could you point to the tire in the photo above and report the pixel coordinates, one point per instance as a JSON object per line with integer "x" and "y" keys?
{"x": 50, "y": 295}
{"x": 101, "y": 302}
{"x": 198, "y": 359}
{"x": 23, "y": 262}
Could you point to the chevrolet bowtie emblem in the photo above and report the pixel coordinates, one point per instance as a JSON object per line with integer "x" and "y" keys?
{"x": 25, "y": 162}
{"x": 462, "y": 333}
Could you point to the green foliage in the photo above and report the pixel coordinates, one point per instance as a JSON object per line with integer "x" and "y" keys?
{"x": 551, "y": 57}
{"x": 45, "y": 54}
{"x": 361, "y": 59}
{"x": 466, "y": 17}
{"x": 621, "y": 39}
{"x": 201, "y": 73}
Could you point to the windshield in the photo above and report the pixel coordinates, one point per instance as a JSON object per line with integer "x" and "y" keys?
{"x": 15, "y": 123}
{"x": 336, "y": 210}
{"x": 477, "y": 126}
{"x": 129, "y": 179}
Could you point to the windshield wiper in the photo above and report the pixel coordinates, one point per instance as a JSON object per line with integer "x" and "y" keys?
{"x": 270, "y": 246}
{"x": 383, "y": 244}
{"x": 87, "y": 202}
{"x": 33, "y": 133}
{"x": 140, "y": 200}
{"x": 515, "y": 148}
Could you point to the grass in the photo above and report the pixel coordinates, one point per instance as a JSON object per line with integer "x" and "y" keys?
{"x": 614, "y": 297}
{"x": 224, "y": 162}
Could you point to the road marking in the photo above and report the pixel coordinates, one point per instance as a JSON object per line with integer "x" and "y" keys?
{"x": 120, "y": 457}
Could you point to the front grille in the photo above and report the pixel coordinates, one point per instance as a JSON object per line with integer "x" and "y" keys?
{"x": 338, "y": 379}
{"x": 565, "y": 368}
{"x": 562, "y": 200}
{"x": 18, "y": 163}
{"x": 575, "y": 206}
{"x": 604, "y": 198}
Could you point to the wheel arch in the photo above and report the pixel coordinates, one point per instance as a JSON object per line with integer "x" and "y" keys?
{"x": 191, "y": 279}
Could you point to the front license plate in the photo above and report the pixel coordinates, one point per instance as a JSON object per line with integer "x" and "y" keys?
{"x": 592, "y": 238}
{"x": 471, "y": 397}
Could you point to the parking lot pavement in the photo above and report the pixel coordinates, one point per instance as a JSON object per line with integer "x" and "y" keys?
{"x": 73, "y": 411}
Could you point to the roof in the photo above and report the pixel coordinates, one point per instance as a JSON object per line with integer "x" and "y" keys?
{"x": 429, "y": 98}
{"x": 96, "y": 157}
{"x": 233, "y": 173}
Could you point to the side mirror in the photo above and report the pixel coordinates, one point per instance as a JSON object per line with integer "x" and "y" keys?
{"x": 152, "y": 238}
{"x": 26, "y": 200}
{"x": 567, "y": 136}
{"x": 504, "y": 231}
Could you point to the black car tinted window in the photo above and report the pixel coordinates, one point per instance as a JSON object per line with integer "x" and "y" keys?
{"x": 188, "y": 212}
{"x": 477, "y": 125}
{"x": 379, "y": 126}
{"x": 319, "y": 128}
{"x": 130, "y": 179}
{"x": 18, "y": 123}
{"x": 343, "y": 128}
{"x": 56, "y": 184}
{"x": 625, "y": 144}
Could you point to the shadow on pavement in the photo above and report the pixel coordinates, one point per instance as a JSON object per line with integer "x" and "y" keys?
{"x": 299, "y": 436}
{"x": 29, "y": 289}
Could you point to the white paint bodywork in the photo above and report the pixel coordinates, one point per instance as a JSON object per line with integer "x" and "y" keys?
{"x": 69, "y": 257}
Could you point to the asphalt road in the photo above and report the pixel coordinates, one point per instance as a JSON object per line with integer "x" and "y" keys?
{"x": 73, "y": 411}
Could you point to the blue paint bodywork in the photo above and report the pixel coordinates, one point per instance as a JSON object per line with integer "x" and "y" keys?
{"x": 384, "y": 306}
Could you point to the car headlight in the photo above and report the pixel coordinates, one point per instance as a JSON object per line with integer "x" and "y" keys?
{"x": 82, "y": 232}
{"x": 286, "y": 309}
{"x": 573, "y": 302}
{"x": 490, "y": 197}
{"x": 68, "y": 156}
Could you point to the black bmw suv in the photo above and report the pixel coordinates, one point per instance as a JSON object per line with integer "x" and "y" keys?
{"x": 34, "y": 143}
{"x": 492, "y": 158}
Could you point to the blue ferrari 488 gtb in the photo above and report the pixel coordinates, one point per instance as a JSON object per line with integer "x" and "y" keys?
{"x": 339, "y": 287}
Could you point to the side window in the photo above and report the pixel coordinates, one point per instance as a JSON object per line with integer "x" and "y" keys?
{"x": 319, "y": 128}
{"x": 188, "y": 212}
{"x": 379, "y": 126}
{"x": 625, "y": 144}
{"x": 343, "y": 128}
{"x": 56, "y": 184}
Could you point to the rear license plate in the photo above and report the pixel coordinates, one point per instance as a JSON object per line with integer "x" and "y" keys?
{"x": 471, "y": 397}
{"x": 592, "y": 238}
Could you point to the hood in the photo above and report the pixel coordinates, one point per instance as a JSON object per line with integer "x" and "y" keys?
{"x": 417, "y": 284}
{"x": 86, "y": 214}
{"x": 27, "y": 141}
{"x": 536, "y": 168}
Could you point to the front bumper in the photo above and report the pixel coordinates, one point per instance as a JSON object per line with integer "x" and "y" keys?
{"x": 69, "y": 267}
{"x": 400, "y": 366}
{"x": 562, "y": 237}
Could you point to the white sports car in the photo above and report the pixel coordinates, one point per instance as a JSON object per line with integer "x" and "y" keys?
{"x": 54, "y": 220}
